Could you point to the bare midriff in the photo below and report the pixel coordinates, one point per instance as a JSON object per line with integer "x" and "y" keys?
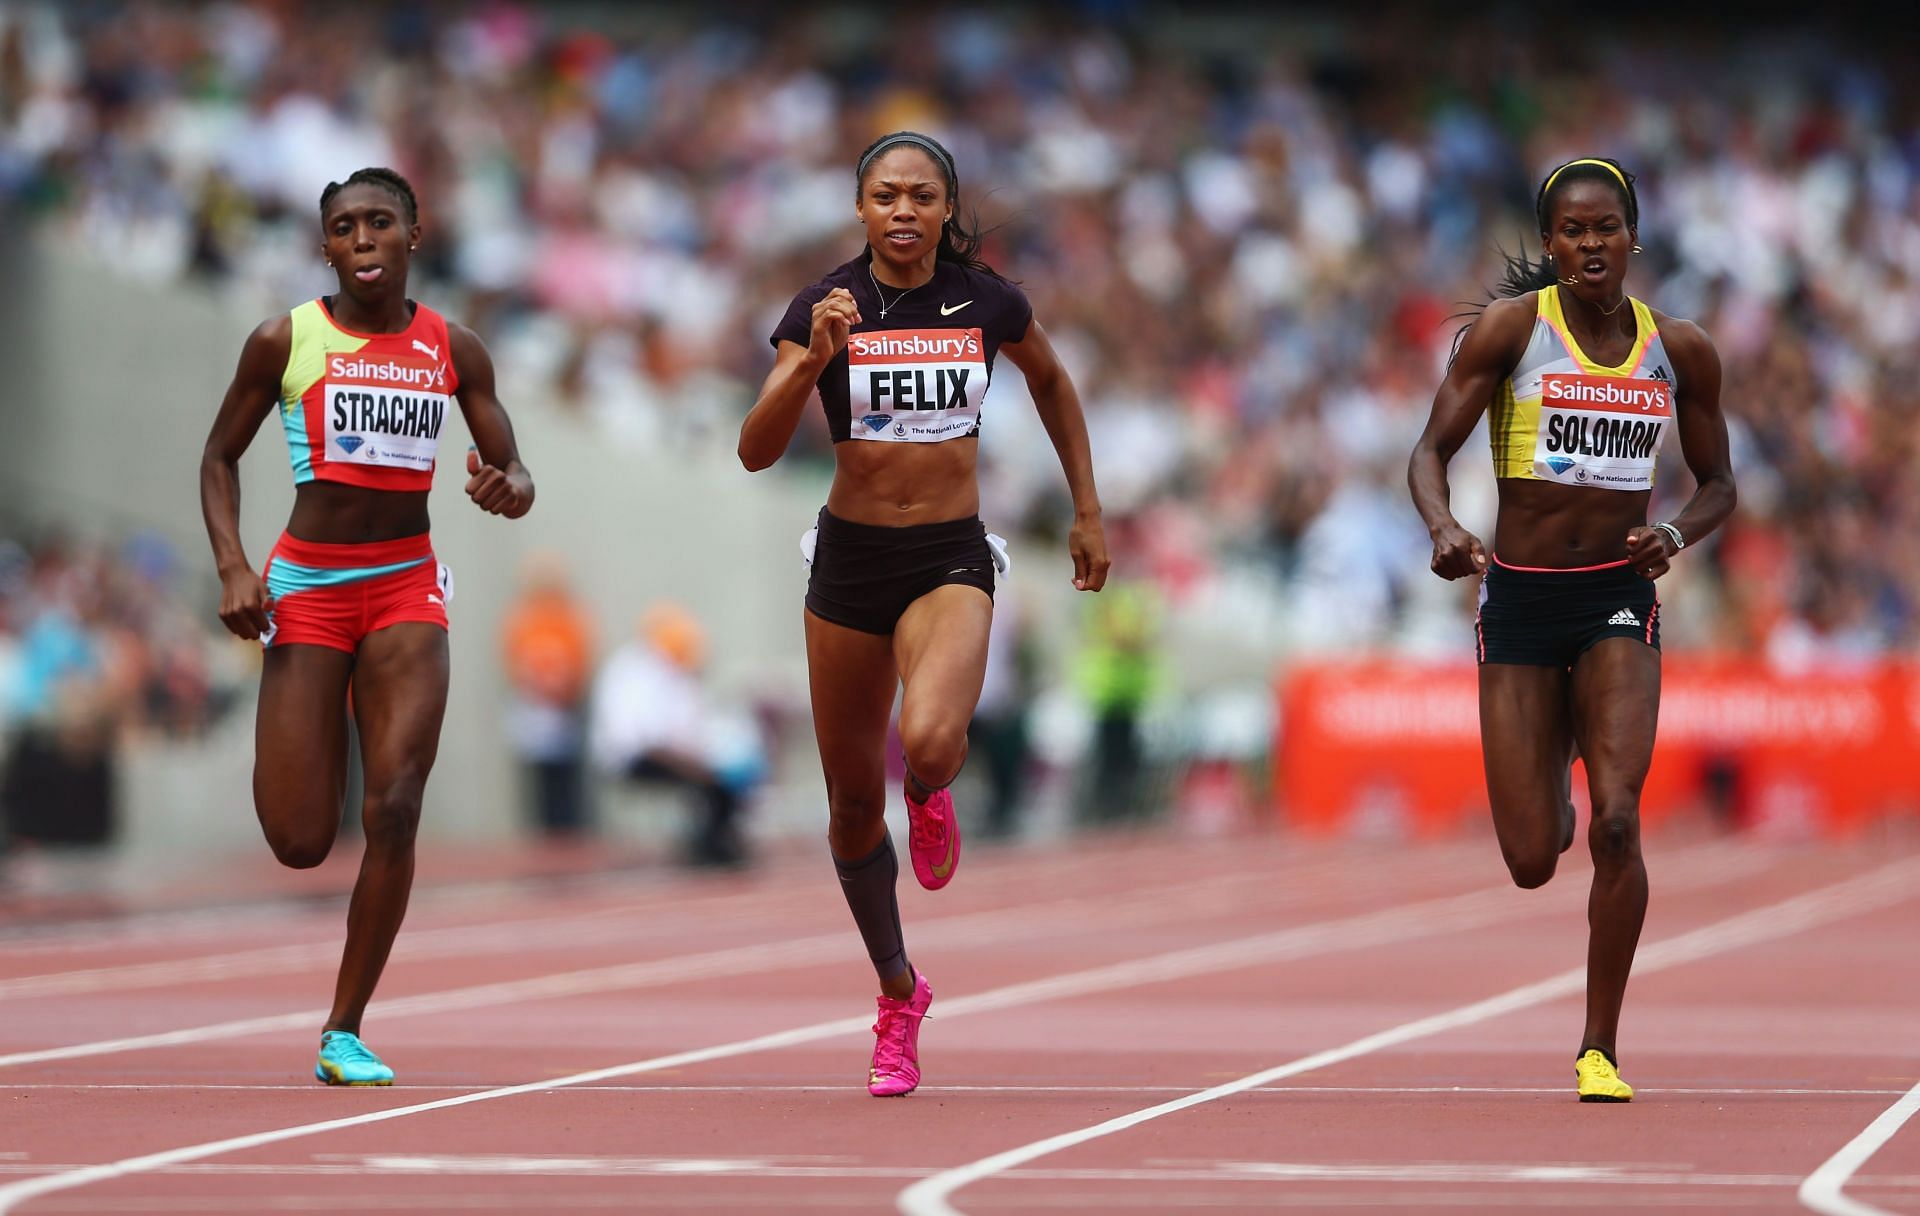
{"x": 897, "y": 485}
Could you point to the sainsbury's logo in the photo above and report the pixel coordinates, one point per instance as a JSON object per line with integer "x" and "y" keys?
{"x": 388, "y": 371}
{"x": 1615, "y": 393}
{"x": 917, "y": 346}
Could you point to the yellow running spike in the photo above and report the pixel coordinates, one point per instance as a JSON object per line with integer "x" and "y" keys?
{"x": 1599, "y": 1079}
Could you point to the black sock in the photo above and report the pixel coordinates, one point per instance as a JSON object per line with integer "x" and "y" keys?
{"x": 868, "y": 885}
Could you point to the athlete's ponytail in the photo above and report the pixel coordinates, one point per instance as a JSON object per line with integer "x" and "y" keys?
{"x": 960, "y": 238}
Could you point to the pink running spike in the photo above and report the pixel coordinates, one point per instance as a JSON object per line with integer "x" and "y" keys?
{"x": 933, "y": 839}
{"x": 896, "y": 1047}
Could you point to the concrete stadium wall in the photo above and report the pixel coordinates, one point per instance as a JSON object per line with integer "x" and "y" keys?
{"x": 111, "y": 388}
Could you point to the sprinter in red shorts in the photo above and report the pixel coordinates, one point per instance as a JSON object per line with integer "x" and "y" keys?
{"x": 352, "y": 594}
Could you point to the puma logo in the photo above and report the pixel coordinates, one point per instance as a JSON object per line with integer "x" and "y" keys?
{"x": 433, "y": 352}
{"x": 946, "y": 311}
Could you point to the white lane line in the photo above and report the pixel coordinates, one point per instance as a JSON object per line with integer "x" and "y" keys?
{"x": 1880, "y": 888}
{"x": 1198, "y": 897}
{"x": 1823, "y": 1189}
{"x": 1278, "y": 1091}
{"x": 587, "y": 926}
{"x": 492, "y": 1165}
{"x": 1425, "y": 919}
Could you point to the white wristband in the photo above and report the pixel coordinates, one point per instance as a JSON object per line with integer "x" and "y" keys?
{"x": 1679, "y": 541}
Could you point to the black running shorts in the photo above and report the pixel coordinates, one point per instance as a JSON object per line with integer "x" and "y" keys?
{"x": 1549, "y": 618}
{"x": 864, "y": 576}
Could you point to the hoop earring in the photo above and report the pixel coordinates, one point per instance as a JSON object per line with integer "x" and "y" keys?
{"x": 1637, "y": 249}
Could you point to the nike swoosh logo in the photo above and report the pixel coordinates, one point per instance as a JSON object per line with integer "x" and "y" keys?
{"x": 947, "y": 312}
{"x": 946, "y": 866}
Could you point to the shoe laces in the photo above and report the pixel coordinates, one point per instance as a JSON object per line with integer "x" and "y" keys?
{"x": 896, "y": 1021}
{"x": 349, "y": 1048}
{"x": 925, "y": 830}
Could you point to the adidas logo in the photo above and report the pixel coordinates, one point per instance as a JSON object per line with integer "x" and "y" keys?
{"x": 1623, "y": 617}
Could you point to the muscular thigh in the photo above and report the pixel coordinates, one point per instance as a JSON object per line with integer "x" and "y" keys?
{"x": 1616, "y": 708}
{"x": 400, "y": 699}
{"x": 1525, "y": 740}
{"x": 852, "y": 679}
{"x": 940, "y": 645}
{"x": 300, "y": 734}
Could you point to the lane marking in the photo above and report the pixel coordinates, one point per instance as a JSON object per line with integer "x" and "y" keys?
{"x": 1889, "y": 885}
{"x": 587, "y": 926}
{"x": 1200, "y": 897}
{"x": 1425, "y": 919}
{"x": 1823, "y": 1190}
{"x": 1271, "y": 1090}
{"x": 490, "y": 1165}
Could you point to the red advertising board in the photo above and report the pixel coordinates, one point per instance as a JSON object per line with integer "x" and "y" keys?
{"x": 1399, "y": 742}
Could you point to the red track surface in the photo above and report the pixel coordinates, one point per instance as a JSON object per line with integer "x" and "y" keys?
{"x": 1072, "y": 987}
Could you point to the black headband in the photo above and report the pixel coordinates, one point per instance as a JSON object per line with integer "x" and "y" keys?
{"x": 934, "y": 150}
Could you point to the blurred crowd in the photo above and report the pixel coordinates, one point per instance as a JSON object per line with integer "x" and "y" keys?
{"x": 98, "y": 650}
{"x": 1247, "y": 234}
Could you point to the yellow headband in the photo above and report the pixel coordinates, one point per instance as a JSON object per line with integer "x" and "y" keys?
{"x": 1585, "y": 161}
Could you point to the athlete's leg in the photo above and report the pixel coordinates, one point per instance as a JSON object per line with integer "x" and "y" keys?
{"x": 1526, "y": 742}
{"x": 852, "y": 680}
{"x": 300, "y": 750}
{"x": 940, "y": 645}
{"x": 1616, "y": 705}
{"x": 399, "y": 699}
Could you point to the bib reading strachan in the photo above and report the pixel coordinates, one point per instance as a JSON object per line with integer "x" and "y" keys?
{"x": 384, "y": 410}
{"x": 915, "y": 385}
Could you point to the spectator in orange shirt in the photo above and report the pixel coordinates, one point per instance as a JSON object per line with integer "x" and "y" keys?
{"x": 548, "y": 646}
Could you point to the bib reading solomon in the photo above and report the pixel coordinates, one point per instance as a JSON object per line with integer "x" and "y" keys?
{"x": 1562, "y": 417}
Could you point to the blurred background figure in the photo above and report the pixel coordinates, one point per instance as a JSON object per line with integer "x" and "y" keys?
{"x": 547, "y": 643}
{"x": 652, "y": 723}
{"x": 1120, "y": 670}
{"x": 999, "y": 737}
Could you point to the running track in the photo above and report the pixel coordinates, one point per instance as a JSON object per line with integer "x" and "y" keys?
{"x": 1149, "y": 1025}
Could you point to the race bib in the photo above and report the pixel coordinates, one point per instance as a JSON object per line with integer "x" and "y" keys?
{"x": 1601, "y": 431}
{"x": 916, "y": 385}
{"x": 384, "y": 410}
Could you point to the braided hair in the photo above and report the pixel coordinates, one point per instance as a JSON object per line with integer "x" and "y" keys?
{"x": 960, "y": 239}
{"x": 386, "y": 179}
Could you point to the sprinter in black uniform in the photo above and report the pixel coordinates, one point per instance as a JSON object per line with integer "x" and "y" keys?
{"x": 900, "y": 343}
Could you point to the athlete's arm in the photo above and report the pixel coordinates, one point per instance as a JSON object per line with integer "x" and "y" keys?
{"x": 1488, "y": 355}
{"x": 254, "y": 389}
{"x": 1703, "y": 442}
{"x": 770, "y": 424}
{"x": 1059, "y": 408}
{"x": 498, "y": 483}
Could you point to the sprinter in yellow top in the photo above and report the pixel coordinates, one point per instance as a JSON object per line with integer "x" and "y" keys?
{"x": 1581, "y": 384}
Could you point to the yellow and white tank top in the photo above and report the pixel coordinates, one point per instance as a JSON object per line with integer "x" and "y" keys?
{"x": 1562, "y": 417}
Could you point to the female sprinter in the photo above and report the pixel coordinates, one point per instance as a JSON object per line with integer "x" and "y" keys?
{"x": 351, "y": 592}
{"x": 900, "y": 342}
{"x": 1583, "y": 382}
